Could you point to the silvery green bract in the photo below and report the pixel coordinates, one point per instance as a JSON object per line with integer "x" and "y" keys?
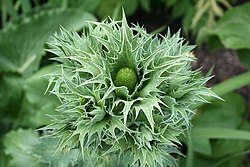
{"x": 125, "y": 94}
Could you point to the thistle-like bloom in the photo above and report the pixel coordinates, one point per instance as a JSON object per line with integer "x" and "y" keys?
{"x": 126, "y": 95}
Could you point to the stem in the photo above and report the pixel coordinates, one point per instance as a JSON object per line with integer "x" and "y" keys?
{"x": 190, "y": 152}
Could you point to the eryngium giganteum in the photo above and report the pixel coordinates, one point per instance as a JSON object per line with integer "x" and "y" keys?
{"x": 125, "y": 94}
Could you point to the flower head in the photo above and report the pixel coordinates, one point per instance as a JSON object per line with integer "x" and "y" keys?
{"x": 124, "y": 92}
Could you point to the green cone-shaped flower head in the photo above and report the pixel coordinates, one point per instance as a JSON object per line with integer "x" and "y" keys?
{"x": 126, "y": 77}
{"x": 125, "y": 94}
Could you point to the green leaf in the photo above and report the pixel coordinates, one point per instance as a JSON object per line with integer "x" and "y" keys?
{"x": 86, "y": 5}
{"x": 21, "y": 46}
{"x": 202, "y": 146}
{"x": 145, "y": 5}
{"x": 244, "y": 57}
{"x": 204, "y": 133}
{"x": 26, "y": 6}
{"x": 10, "y": 100}
{"x": 181, "y": 8}
{"x": 236, "y": 159}
{"x": 106, "y": 7}
{"x": 11, "y": 94}
{"x": 222, "y": 148}
{"x": 220, "y": 133}
{"x": 233, "y": 102}
{"x": 171, "y": 3}
{"x": 230, "y": 111}
{"x": 18, "y": 145}
{"x": 38, "y": 104}
{"x": 214, "y": 117}
{"x": 233, "y": 29}
{"x": 228, "y": 86}
{"x": 4, "y": 158}
{"x": 201, "y": 161}
{"x": 46, "y": 151}
{"x": 27, "y": 149}
{"x": 8, "y": 11}
{"x": 36, "y": 85}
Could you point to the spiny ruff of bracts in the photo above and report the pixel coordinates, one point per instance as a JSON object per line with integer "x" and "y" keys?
{"x": 125, "y": 94}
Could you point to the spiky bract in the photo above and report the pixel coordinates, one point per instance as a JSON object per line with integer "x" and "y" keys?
{"x": 138, "y": 123}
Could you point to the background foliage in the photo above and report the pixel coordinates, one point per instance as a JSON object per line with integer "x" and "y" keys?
{"x": 220, "y": 135}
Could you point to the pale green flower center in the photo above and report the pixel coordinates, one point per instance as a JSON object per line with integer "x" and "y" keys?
{"x": 126, "y": 77}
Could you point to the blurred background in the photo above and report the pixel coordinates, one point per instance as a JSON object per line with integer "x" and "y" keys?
{"x": 220, "y": 29}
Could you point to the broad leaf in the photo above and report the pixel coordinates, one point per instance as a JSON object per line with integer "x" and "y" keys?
{"x": 86, "y": 5}
{"x": 222, "y": 148}
{"x": 109, "y": 7}
{"x": 38, "y": 104}
{"x": 11, "y": 94}
{"x": 36, "y": 86}
{"x": 218, "y": 117}
{"x": 21, "y": 46}
{"x": 202, "y": 146}
{"x": 46, "y": 151}
{"x": 26, "y": 148}
{"x": 230, "y": 111}
{"x": 4, "y": 158}
{"x": 18, "y": 145}
{"x": 233, "y": 29}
